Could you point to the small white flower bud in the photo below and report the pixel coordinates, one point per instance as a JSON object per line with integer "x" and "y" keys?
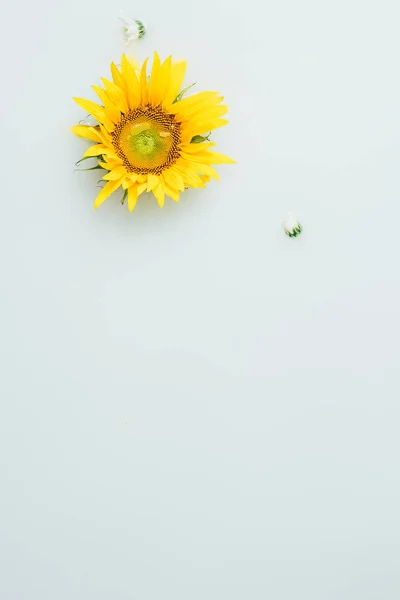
{"x": 133, "y": 29}
{"x": 291, "y": 226}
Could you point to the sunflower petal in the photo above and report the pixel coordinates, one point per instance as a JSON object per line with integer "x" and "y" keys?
{"x": 162, "y": 82}
{"x": 176, "y": 80}
{"x": 107, "y": 190}
{"x": 143, "y": 83}
{"x": 193, "y": 148}
{"x": 171, "y": 192}
{"x": 111, "y": 164}
{"x": 135, "y": 177}
{"x": 117, "y": 76}
{"x": 155, "y": 72}
{"x": 152, "y": 181}
{"x": 87, "y": 132}
{"x": 211, "y": 158}
{"x": 159, "y": 194}
{"x": 207, "y": 170}
{"x": 109, "y": 107}
{"x": 211, "y": 125}
{"x": 104, "y": 133}
{"x": 190, "y": 178}
{"x": 194, "y": 128}
{"x": 198, "y": 168}
{"x": 173, "y": 179}
{"x": 116, "y": 95}
{"x": 132, "y": 85}
{"x": 216, "y": 158}
{"x": 187, "y": 105}
{"x": 96, "y": 111}
{"x": 132, "y": 197}
{"x": 205, "y": 113}
{"x": 141, "y": 188}
{"x": 116, "y": 173}
{"x": 95, "y": 150}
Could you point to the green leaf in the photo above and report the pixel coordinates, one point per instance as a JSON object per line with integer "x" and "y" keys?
{"x": 84, "y": 158}
{"x": 198, "y": 139}
{"x": 90, "y": 168}
{"x": 99, "y": 159}
{"x": 124, "y": 196}
{"x": 183, "y": 92}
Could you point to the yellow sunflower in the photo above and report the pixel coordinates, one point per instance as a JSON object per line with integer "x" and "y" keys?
{"x": 148, "y": 137}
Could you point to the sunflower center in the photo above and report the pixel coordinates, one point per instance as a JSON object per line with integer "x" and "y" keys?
{"x": 147, "y": 140}
{"x": 145, "y": 143}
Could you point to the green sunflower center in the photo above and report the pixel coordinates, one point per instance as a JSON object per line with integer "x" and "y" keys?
{"x": 147, "y": 140}
{"x": 145, "y": 143}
